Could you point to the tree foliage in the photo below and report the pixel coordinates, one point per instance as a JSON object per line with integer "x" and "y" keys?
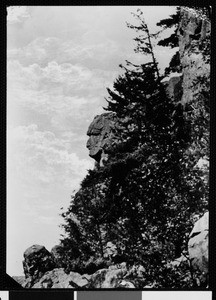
{"x": 172, "y": 41}
{"x": 172, "y": 21}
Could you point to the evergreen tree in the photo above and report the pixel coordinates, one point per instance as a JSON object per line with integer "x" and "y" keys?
{"x": 150, "y": 135}
{"x": 172, "y": 41}
{"x": 172, "y": 21}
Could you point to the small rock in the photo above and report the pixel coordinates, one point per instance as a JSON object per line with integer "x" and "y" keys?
{"x": 126, "y": 284}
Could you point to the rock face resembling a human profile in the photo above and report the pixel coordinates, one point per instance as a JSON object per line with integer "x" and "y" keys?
{"x": 100, "y": 136}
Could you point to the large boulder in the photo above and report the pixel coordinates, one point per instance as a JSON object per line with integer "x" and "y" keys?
{"x": 37, "y": 261}
{"x": 100, "y": 136}
{"x": 198, "y": 247}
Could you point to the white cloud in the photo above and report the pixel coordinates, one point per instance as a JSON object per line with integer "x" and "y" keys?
{"x": 16, "y": 14}
{"x": 42, "y": 157}
{"x": 93, "y": 49}
{"x": 65, "y": 93}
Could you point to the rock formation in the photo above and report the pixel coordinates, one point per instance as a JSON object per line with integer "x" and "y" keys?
{"x": 57, "y": 278}
{"x": 40, "y": 272}
{"x": 100, "y": 136}
{"x": 113, "y": 277}
{"x": 194, "y": 31}
{"x": 55, "y": 252}
{"x": 37, "y": 260}
{"x": 194, "y": 34}
{"x": 174, "y": 87}
{"x": 198, "y": 247}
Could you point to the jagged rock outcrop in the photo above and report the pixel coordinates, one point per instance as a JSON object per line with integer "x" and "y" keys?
{"x": 194, "y": 42}
{"x": 37, "y": 261}
{"x": 194, "y": 34}
{"x": 174, "y": 88}
{"x": 198, "y": 246}
{"x": 109, "y": 278}
{"x": 42, "y": 274}
{"x": 100, "y": 136}
{"x": 57, "y": 278}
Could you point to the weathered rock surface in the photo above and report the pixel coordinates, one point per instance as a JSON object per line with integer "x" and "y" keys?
{"x": 174, "y": 88}
{"x": 115, "y": 276}
{"x": 198, "y": 246}
{"x": 57, "y": 278}
{"x": 194, "y": 31}
{"x": 55, "y": 252}
{"x": 108, "y": 278}
{"x": 100, "y": 136}
{"x": 37, "y": 261}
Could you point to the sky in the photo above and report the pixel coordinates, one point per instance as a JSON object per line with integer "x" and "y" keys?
{"x": 60, "y": 60}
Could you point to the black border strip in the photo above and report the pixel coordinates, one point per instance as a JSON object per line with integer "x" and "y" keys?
{"x": 6, "y": 282}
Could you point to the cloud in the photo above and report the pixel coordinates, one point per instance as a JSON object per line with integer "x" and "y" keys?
{"x": 66, "y": 94}
{"x": 17, "y": 14}
{"x": 43, "y": 158}
{"x": 93, "y": 49}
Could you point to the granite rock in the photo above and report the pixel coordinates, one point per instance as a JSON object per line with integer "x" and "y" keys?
{"x": 198, "y": 246}
{"x": 194, "y": 31}
{"x": 37, "y": 261}
{"x": 100, "y": 136}
{"x": 57, "y": 278}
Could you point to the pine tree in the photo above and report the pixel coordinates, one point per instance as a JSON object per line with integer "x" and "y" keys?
{"x": 172, "y": 21}
{"x": 172, "y": 41}
{"x": 149, "y": 137}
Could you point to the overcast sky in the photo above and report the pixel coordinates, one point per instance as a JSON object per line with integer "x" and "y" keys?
{"x": 59, "y": 62}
